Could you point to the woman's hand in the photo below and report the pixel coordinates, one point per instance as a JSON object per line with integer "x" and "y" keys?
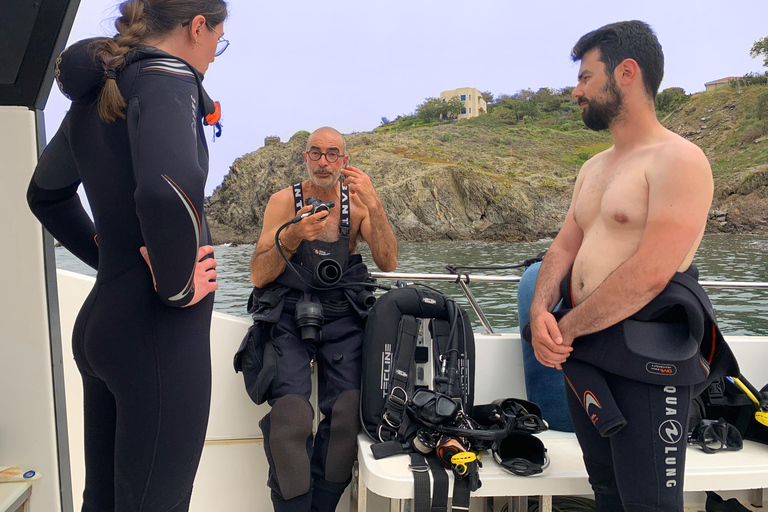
{"x": 205, "y": 273}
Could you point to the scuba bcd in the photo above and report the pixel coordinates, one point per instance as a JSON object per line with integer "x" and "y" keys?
{"x": 418, "y": 397}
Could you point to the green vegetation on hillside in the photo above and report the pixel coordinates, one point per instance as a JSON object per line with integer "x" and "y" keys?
{"x": 730, "y": 125}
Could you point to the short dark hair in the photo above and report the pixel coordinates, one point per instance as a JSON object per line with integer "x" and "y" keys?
{"x": 626, "y": 40}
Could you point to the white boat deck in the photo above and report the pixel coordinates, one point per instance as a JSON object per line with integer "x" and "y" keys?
{"x": 233, "y": 469}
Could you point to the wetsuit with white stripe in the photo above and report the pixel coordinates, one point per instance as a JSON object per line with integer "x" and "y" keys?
{"x": 144, "y": 360}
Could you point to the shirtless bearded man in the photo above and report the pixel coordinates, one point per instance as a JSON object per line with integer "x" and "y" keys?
{"x": 637, "y": 216}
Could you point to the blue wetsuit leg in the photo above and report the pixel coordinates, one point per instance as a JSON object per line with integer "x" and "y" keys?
{"x": 545, "y": 386}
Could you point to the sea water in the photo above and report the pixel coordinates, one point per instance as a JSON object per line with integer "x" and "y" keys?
{"x": 720, "y": 257}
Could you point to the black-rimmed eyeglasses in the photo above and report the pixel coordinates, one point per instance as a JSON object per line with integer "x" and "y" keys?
{"x": 330, "y": 156}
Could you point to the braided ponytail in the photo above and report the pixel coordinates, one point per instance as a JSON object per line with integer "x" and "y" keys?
{"x": 131, "y": 30}
{"x": 139, "y": 20}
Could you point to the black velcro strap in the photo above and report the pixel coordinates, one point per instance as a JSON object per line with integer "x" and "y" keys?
{"x": 440, "y": 492}
{"x": 420, "y": 470}
{"x": 381, "y": 450}
{"x": 460, "y": 495}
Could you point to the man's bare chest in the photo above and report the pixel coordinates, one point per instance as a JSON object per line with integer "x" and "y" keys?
{"x": 332, "y": 230}
{"x": 614, "y": 196}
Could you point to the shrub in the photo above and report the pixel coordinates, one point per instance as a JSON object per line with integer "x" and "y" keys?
{"x": 671, "y": 98}
{"x": 761, "y": 106}
{"x": 753, "y": 132}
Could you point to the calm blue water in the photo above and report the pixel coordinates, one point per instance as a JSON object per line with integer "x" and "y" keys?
{"x": 721, "y": 257}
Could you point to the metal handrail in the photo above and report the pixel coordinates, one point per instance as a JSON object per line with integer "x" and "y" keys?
{"x": 465, "y": 279}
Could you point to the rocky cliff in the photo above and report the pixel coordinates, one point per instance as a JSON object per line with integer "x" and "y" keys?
{"x": 471, "y": 180}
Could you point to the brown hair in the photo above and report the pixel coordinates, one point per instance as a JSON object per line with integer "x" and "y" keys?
{"x": 140, "y": 20}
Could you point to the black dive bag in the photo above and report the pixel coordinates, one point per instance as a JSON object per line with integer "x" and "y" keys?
{"x": 414, "y": 339}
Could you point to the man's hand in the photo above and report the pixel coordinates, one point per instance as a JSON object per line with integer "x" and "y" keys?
{"x": 308, "y": 228}
{"x": 360, "y": 185}
{"x": 548, "y": 344}
{"x": 205, "y": 273}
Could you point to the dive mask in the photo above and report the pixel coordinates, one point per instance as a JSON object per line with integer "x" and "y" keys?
{"x": 716, "y": 435}
{"x": 431, "y": 407}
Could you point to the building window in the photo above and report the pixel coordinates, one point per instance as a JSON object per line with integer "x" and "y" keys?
{"x": 443, "y": 100}
{"x": 470, "y": 97}
{"x": 463, "y": 97}
{"x": 463, "y": 111}
{"x": 470, "y": 110}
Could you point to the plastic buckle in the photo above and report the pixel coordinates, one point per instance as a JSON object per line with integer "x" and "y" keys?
{"x": 716, "y": 392}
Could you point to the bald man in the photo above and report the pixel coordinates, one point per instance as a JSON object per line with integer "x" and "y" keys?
{"x": 305, "y": 473}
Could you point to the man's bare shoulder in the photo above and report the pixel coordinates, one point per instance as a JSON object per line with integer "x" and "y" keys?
{"x": 675, "y": 151}
{"x": 282, "y": 195}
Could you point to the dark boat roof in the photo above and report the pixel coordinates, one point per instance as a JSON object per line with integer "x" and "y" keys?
{"x": 32, "y": 34}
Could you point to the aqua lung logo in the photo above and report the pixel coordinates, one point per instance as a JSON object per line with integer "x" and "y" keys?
{"x": 386, "y": 369}
{"x": 661, "y": 369}
{"x": 671, "y": 431}
{"x": 589, "y": 400}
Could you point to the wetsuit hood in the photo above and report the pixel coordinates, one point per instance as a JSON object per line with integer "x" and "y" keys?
{"x": 80, "y": 74}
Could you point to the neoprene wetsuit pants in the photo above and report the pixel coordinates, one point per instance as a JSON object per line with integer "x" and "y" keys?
{"x": 307, "y": 474}
{"x": 641, "y": 467}
{"x": 146, "y": 370}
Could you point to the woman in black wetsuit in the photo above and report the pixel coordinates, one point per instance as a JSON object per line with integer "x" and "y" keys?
{"x": 134, "y": 138}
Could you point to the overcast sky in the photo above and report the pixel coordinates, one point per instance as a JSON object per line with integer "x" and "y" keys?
{"x": 300, "y": 64}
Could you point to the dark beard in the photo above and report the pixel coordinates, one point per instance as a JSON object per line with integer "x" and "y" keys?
{"x": 600, "y": 114}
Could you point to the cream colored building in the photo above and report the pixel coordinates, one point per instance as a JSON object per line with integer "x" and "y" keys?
{"x": 474, "y": 104}
{"x": 719, "y": 84}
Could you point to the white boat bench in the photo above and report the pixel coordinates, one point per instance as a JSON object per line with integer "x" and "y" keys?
{"x": 566, "y": 475}
{"x": 391, "y": 478}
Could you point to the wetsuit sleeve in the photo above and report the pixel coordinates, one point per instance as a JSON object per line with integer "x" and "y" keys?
{"x": 163, "y": 120}
{"x": 52, "y": 197}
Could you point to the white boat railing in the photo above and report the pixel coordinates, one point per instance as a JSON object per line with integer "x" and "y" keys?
{"x": 463, "y": 280}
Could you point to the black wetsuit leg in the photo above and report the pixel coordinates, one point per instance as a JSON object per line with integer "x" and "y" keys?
{"x": 147, "y": 382}
{"x": 339, "y": 362}
{"x": 304, "y": 474}
{"x": 640, "y": 468}
{"x": 287, "y": 428}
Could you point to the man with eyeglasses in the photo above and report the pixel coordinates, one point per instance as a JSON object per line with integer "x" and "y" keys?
{"x": 305, "y": 473}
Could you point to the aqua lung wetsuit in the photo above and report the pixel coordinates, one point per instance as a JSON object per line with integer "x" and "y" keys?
{"x": 632, "y": 387}
{"x": 144, "y": 360}
{"x": 306, "y": 475}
